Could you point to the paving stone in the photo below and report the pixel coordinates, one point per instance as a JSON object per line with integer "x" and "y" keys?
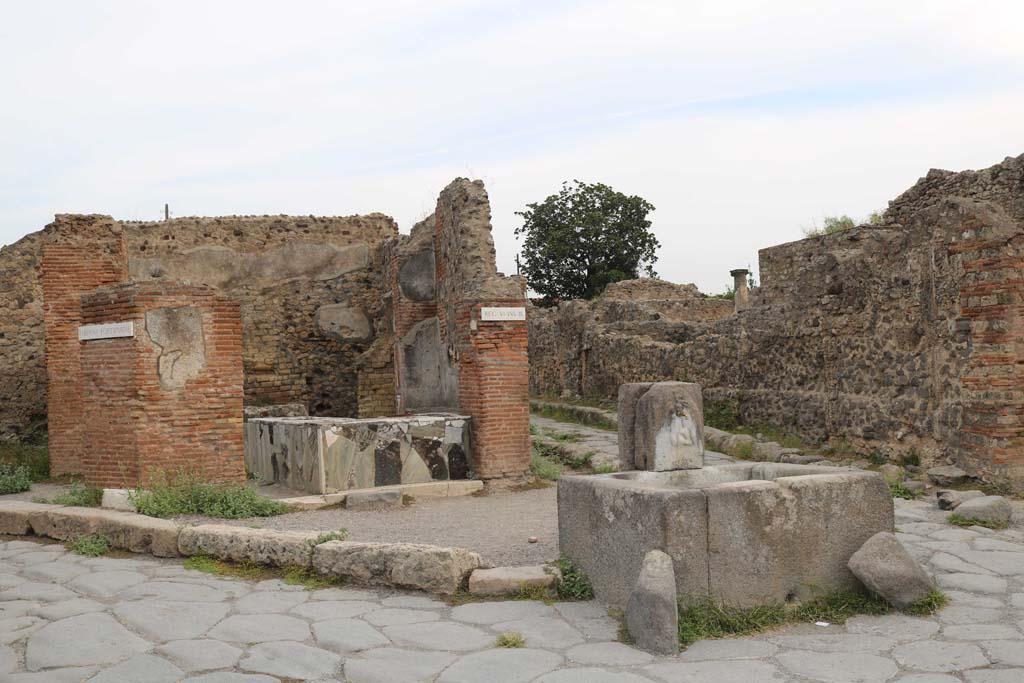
{"x": 13, "y": 630}
{"x": 269, "y": 602}
{"x": 10, "y": 581}
{"x": 165, "y": 621}
{"x": 494, "y": 612}
{"x": 961, "y": 598}
{"x": 948, "y": 563}
{"x": 544, "y": 632}
{"x": 141, "y": 669}
{"x": 31, "y": 558}
{"x": 934, "y": 655}
{"x": 278, "y": 585}
{"x": 439, "y": 636}
{"x": 393, "y": 617}
{"x": 579, "y": 611}
{"x": 961, "y": 614}
{"x": 334, "y": 609}
{"x": 729, "y": 648}
{"x": 259, "y": 628}
{"x": 1005, "y": 652}
{"x": 738, "y": 671}
{"x": 981, "y": 632}
{"x": 995, "y": 676}
{"x": 608, "y": 654}
{"x": 55, "y": 572}
{"x": 75, "y": 674}
{"x": 602, "y": 628}
{"x": 201, "y": 655}
{"x": 174, "y": 591}
{"x": 230, "y": 677}
{"x": 973, "y": 583}
{"x": 948, "y": 534}
{"x": 8, "y": 659}
{"x": 896, "y": 626}
{"x": 47, "y": 592}
{"x": 1000, "y": 562}
{"x": 843, "y": 642}
{"x": 838, "y": 667}
{"x": 413, "y": 602}
{"x": 390, "y": 664}
{"x": 81, "y": 641}
{"x": 927, "y": 678}
{"x": 291, "y": 660}
{"x": 501, "y": 666}
{"x": 342, "y": 594}
{"x": 589, "y": 675}
{"x": 107, "y": 583}
{"x": 347, "y": 635}
{"x": 17, "y": 608}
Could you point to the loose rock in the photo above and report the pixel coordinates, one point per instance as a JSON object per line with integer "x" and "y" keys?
{"x": 887, "y": 569}
{"x": 989, "y": 509}
{"x": 949, "y": 499}
{"x": 947, "y": 475}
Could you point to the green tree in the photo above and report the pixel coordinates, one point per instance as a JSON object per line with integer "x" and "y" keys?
{"x": 584, "y": 238}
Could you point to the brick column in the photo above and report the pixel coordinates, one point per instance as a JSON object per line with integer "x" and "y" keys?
{"x": 80, "y": 253}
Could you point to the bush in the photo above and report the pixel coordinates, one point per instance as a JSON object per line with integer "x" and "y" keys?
{"x": 574, "y": 584}
{"x": 186, "y": 494}
{"x": 14, "y": 478}
{"x": 79, "y": 494}
{"x": 91, "y": 545}
{"x": 722, "y": 415}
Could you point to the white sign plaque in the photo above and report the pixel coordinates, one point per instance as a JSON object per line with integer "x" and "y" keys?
{"x": 106, "y": 331}
{"x": 493, "y": 313}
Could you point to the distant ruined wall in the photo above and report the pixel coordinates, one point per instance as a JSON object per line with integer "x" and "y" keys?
{"x": 907, "y": 334}
{"x": 22, "y": 356}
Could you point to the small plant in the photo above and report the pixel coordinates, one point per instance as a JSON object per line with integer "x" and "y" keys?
{"x": 745, "y": 451}
{"x": 877, "y": 458}
{"x": 929, "y": 604}
{"x": 566, "y": 437}
{"x": 304, "y": 576}
{"x": 32, "y": 456}
{"x": 534, "y": 591}
{"x": 91, "y": 545}
{"x": 606, "y": 468}
{"x": 78, "y": 494}
{"x": 186, "y": 494}
{"x": 291, "y": 574}
{"x": 899, "y": 490}
{"x": 408, "y": 500}
{"x": 574, "y": 584}
{"x": 957, "y": 519}
{"x": 510, "y": 639}
{"x": 339, "y": 535}
{"x": 722, "y": 414}
{"x": 14, "y": 478}
{"x": 544, "y": 466}
{"x": 911, "y": 458}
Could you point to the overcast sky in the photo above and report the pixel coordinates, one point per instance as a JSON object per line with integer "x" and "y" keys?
{"x": 741, "y": 121}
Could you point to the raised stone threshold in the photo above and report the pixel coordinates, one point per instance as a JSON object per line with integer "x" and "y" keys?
{"x": 401, "y": 565}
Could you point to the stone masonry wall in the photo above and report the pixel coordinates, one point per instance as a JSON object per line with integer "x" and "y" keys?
{"x": 906, "y": 334}
{"x": 22, "y": 353}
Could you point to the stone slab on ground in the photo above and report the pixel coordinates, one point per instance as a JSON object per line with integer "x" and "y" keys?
{"x": 123, "y": 530}
{"x": 988, "y": 509}
{"x": 239, "y": 544}
{"x": 511, "y": 580}
{"x": 373, "y": 500}
{"x": 409, "y": 565}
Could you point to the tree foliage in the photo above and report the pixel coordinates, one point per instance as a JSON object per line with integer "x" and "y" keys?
{"x": 584, "y": 238}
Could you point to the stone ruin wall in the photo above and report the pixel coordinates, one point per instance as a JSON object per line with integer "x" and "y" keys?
{"x": 905, "y": 335}
{"x": 309, "y": 288}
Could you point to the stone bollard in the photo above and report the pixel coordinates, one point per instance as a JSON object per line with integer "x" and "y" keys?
{"x": 652, "y": 613}
{"x": 661, "y": 426}
{"x": 741, "y": 294}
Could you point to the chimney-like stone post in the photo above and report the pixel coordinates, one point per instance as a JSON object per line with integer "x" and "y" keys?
{"x": 741, "y": 300}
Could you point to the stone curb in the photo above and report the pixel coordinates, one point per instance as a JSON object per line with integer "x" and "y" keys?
{"x": 511, "y": 580}
{"x": 406, "y": 565}
{"x": 594, "y": 417}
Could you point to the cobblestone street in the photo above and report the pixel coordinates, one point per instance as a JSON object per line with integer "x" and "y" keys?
{"x": 67, "y": 618}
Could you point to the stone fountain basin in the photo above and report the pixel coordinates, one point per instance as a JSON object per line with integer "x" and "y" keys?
{"x": 743, "y": 535}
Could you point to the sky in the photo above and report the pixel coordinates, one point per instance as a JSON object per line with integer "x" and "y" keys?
{"x": 743, "y": 122}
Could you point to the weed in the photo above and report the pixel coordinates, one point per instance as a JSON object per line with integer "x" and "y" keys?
{"x": 92, "y": 545}
{"x": 623, "y": 635}
{"x": 900, "y": 490}
{"x": 408, "y": 500}
{"x": 510, "y": 639}
{"x": 957, "y": 519}
{"x": 14, "y": 478}
{"x": 78, "y": 494}
{"x": 534, "y": 591}
{"x": 574, "y": 584}
{"x": 745, "y": 451}
{"x": 544, "y": 466}
{"x": 185, "y": 494}
{"x": 911, "y": 458}
{"x": 35, "y": 458}
{"x": 339, "y": 535}
{"x": 566, "y": 437}
{"x": 837, "y": 607}
{"x": 722, "y": 414}
{"x": 291, "y": 574}
{"x": 304, "y": 576}
{"x": 929, "y": 604}
{"x": 563, "y": 414}
{"x": 876, "y": 457}
{"x": 606, "y": 468}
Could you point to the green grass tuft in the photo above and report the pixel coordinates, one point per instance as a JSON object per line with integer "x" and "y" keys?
{"x": 186, "y": 494}
{"x": 78, "y": 494}
{"x": 957, "y": 519}
{"x": 91, "y": 545}
{"x": 339, "y": 535}
{"x": 291, "y": 575}
{"x": 606, "y": 468}
{"x": 543, "y": 465}
{"x": 574, "y": 584}
{"x": 930, "y": 604}
{"x": 14, "y": 478}
{"x": 510, "y": 639}
{"x": 900, "y": 490}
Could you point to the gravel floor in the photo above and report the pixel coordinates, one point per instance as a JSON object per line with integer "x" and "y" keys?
{"x": 497, "y": 525}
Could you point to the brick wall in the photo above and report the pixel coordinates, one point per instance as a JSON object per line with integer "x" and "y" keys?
{"x": 80, "y": 253}
{"x": 133, "y": 425}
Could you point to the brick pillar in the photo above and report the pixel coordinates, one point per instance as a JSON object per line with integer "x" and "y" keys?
{"x": 169, "y": 397}
{"x": 80, "y": 253}
{"x": 494, "y": 383}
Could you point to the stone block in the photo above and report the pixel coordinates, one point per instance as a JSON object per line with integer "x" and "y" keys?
{"x": 946, "y": 475}
{"x": 464, "y": 487}
{"x": 885, "y": 567}
{"x": 629, "y": 394}
{"x": 990, "y": 509}
{"x": 344, "y": 322}
{"x": 15, "y": 516}
{"x": 123, "y": 530}
{"x": 652, "y": 613}
{"x": 713, "y": 438}
{"x": 117, "y": 499}
{"x": 374, "y": 500}
{"x": 669, "y": 427}
{"x": 510, "y": 580}
{"x": 241, "y": 544}
{"x": 406, "y": 565}
{"x": 951, "y": 499}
